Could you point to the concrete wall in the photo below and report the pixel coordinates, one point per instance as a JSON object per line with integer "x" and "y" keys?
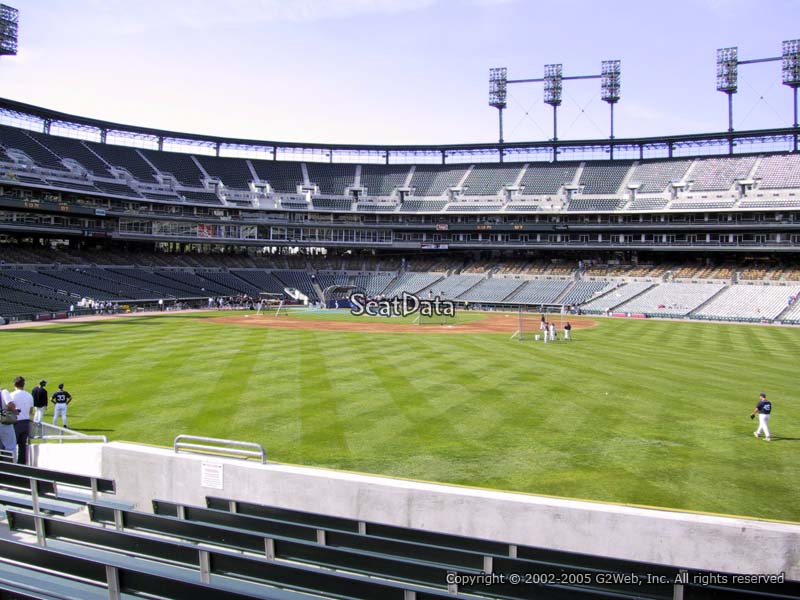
{"x": 145, "y": 473}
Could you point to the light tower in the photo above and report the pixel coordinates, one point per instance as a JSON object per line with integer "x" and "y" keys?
{"x": 728, "y": 77}
{"x": 497, "y": 92}
{"x": 610, "y": 74}
{"x": 9, "y": 18}
{"x": 791, "y": 73}
{"x": 552, "y": 92}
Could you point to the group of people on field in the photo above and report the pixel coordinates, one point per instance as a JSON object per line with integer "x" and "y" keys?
{"x": 550, "y": 331}
{"x": 20, "y": 408}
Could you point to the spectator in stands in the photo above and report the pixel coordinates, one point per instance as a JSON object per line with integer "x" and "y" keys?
{"x": 764, "y": 410}
{"x": 61, "y": 398}
{"x": 567, "y": 329}
{"x": 40, "y": 400}
{"x": 24, "y": 403}
{"x": 8, "y": 437}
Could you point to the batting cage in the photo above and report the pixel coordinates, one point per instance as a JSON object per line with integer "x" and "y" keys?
{"x": 271, "y": 304}
{"x": 531, "y": 326}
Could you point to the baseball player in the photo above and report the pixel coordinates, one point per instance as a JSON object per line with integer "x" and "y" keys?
{"x": 764, "y": 409}
{"x": 61, "y": 398}
{"x": 39, "y": 394}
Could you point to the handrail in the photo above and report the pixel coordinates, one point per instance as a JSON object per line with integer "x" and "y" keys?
{"x": 235, "y": 449}
{"x": 62, "y": 434}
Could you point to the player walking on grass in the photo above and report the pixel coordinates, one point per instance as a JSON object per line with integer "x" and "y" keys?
{"x": 764, "y": 409}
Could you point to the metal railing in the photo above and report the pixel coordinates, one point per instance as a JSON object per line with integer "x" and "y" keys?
{"x": 45, "y": 432}
{"x": 220, "y": 447}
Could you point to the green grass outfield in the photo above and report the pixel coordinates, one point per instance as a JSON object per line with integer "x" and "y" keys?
{"x": 642, "y": 412}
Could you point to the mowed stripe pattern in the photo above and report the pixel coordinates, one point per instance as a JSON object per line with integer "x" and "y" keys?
{"x": 643, "y": 412}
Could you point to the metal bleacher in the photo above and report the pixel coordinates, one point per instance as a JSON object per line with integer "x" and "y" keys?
{"x": 235, "y": 549}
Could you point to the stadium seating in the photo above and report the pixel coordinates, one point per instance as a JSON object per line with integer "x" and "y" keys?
{"x": 779, "y": 171}
{"x": 583, "y": 291}
{"x": 125, "y": 158}
{"x": 116, "y": 188}
{"x": 233, "y": 172}
{"x": 412, "y": 283}
{"x": 381, "y": 180}
{"x": 648, "y": 204}
{"x": 281, "y": 176}
{"x": 180, "y": 166}
{"x": 603, "y": 177}
{"x": 201, "y": 197}
{"x": 615, "y": 297}
{"x": 655, "y": 176}
{"x": 718, "y": 174}
{"x": 18, "y": 139}
{"x": 332, "y": 178}
{"x": 423, "y": 205}
{"x": 749, "y": 303}
{"x": 453, "y": 286}
{"x": 74, "y": 149}
{"x": 592, "y": 205}
{"x": 338, "y": 204}
{"x": 473, "y": 207}
{"x": 261, "y": 280}
{"x": 494, "y": 289}
{"x": 540, "y": 179}
{"x": 434, "y": 180}
{"x": 486, "y": 180}
{"x": 300, "y": 280}
{"x": 671, "y": 299}
{"x": 540, "y": 291}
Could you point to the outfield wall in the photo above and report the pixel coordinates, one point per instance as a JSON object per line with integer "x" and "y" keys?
{"x": 727, "y": 544}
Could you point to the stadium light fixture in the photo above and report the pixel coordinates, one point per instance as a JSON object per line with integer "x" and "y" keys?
{"x": 9, "y": 20}
{"x": 610, "y": 77}
{"x": 728, "y": 70}
{"x": 498, "y": 81}
{"x": 791, "y": 72}
{"x": 728, "y": 77}
{"x": 553, "y": 75}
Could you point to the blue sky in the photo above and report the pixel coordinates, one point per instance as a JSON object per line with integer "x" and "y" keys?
{"x": 396, "y": 71}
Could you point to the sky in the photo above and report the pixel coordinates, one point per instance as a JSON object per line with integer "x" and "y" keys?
{"x": 397, "y": 71}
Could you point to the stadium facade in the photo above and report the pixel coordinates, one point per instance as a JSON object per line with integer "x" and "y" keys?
{"x": 544, "y": 223}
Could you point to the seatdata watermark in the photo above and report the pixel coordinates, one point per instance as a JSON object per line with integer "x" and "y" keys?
{"x": 401, "y": 306}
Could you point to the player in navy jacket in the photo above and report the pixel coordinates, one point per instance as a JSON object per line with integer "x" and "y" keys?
{"x": 764, "y": 409}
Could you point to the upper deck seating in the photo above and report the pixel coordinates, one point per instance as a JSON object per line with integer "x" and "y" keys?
{"x": 655, "y": 176}
{"x": 11, "y": 137}
{"x": 719, "y": 174}
{"x": 180, "y": 166}
{"x": 486, "y": 180}
{"x": 331, "y": 179}
{"x": 124, "y": 157}
{"x": 282, "y": 176}
{"x": 435, "y": 180}
{"x": 540, "y": 179}
{"x": 233, "y": 172}
{"x": 381, "y": 180}
{"x": 603, "y": 177}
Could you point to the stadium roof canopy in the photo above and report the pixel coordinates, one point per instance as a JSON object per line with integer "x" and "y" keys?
{"x": 59, "y": 123}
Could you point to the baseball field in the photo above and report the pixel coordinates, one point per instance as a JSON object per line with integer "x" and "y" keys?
{"x": 639, "y": 412}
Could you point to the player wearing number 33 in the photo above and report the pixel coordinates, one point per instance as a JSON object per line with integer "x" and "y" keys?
{"x": 764, "y": 409}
